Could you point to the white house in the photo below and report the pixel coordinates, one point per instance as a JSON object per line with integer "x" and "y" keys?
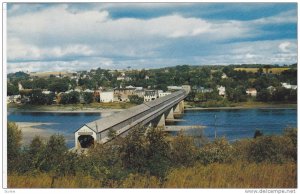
{"x": 46, "y": 92}
{"x": 150, "y": 95}
{"x": 187, "y": 88}
{"x": 107, "y": 96}
{"x": 289, "y": 86}
{"x": 20, "y": 86}
{"x": 271, "y": 89}
{"x": 224, "y": 76}
{"x": 162, "y": 94}
{"x": 251, "y": 92}
{"x": 174, "y": 87}
{"x": 222, "y": 91}
{"x": 88, "y": 91}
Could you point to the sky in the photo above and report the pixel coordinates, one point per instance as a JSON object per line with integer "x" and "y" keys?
{"x": 84, "y": 36}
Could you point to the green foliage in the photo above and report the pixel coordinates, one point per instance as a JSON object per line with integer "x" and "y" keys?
{"x": 264, "y": 95}
{"x": 219, "y": 151}
{"x": 134, "y": 151}
{"x": 88, "y": 97}
{"x": 112, "y": 134}
{"x": 38, "y": 98}
{"x": 55, "y": 152}
{"x": 149, "y": 158}
{"x": 58, "y": 85}
{"x": 237, "y": 94}
{"x": 135, "y": 99}
{"x": 70, "y": 98}
{"x": 183, "y": 151}
{"x": 36, "y": 153}
{"x": 14, "y": 137}
{"x": 271, "y": 149}
{"x": 12, "y": 90}
{"x": 158, "y": 152}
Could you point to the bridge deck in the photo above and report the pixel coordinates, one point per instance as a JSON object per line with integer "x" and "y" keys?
{"x": 108, "y": 122}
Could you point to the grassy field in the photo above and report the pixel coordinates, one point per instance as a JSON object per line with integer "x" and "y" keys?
{"x": 70, "y": 107}
{"x": 275, "y": 70}
{"x": 235, "y": 175}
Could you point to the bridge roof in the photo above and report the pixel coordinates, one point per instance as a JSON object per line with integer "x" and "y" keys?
{"x": 112, "y": 120}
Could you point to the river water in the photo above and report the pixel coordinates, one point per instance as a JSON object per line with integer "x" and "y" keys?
{"x": 232, "y": 124}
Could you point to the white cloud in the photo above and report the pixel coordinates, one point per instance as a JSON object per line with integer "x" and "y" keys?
{"x": 285, "y": 46}
{"x": 61, "y": 38}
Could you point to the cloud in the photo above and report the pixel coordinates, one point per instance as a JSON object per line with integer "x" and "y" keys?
{"x": 285, "y": 46}
{"x": 64, "y": 36}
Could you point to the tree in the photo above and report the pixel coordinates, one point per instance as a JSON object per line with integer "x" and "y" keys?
{"x": 70, "y": 98}
{"x": 40, "y": 84}
{"x": 37, "y": 97}
{"x": 55, "y": 151}
{"x": 12, "y": 90}
{"x": 14, "y": 137}
{"x": 133, "y": 151}
{"x": 88, "y": 97}
{"x": 58, "y": 85}
{"x": 135, "y": 99}
{"x": 183, "y": 150}
{"x": 36, "y": 154}
{"x": 158, "y": 153}
{"x": 263, "y": 95}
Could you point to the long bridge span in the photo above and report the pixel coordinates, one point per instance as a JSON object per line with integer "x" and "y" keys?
{"x": 154, "y": 113}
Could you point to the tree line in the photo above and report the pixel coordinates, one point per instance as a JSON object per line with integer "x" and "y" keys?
{"x": 146, "y": 153}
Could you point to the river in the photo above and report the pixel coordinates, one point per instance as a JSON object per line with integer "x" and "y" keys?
{"x": 232, "y": 124}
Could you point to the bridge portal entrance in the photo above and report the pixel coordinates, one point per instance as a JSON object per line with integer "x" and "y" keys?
{"x": 86, "y": 141}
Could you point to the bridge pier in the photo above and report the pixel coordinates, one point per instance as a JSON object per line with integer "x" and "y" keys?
{"x": 162, "y": 121}
{"x": 170, "y": 114}
{"x": 179, "y": 109}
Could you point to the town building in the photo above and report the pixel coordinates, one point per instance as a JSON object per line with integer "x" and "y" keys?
{"x": 107, "y": 96}
{"x": 222, "y": 91}
{"x": 174, "y": 88}
{"x": 200, "y": 89}
{"x": 289, "y": 86}
{"x": 251, "y": 92}
{"x": 150, "y": 95}
{"x": 162, "y": 94}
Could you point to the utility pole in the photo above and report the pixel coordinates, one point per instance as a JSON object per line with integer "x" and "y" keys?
{"x": 215, "y": 126}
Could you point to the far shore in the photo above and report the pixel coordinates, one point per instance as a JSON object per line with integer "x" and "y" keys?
{"x": 65, "y": 111}
{"x": 237, "y": 108}
{"x": 82, "y": 109}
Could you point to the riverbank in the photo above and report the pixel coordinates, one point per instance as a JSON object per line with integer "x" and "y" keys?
{"x": 30, "y": 128}
{"x": 246, "y": 105}
{"x": 72, "y": 108}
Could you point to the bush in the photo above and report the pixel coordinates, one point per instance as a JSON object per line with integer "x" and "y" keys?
{"x": 14, "y": 137}
{"x": 219, "y": 151}
{"x": 274, "y": 149}
{"x": 88, "y": 97}
{"x": 183, "y": 151}
{"x": 135, "y": 99}
{"x": 70, "y": 98}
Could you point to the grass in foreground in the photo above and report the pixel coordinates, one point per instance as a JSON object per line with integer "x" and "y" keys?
{"x": 236, "y": 175}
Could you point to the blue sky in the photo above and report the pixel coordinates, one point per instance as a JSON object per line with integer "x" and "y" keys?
{"x": 82, "y": 36}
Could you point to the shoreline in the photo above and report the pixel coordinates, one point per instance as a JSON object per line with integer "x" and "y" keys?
{"x": 238, "y": 108}
{"x": 66, "y": 111}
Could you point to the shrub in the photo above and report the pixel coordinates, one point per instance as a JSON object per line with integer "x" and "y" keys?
{"x": 275, "y": 149}
{"x": 219, "y": 151}
{"x": 14, "y": 137}
{"x": 183, "y": 151}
